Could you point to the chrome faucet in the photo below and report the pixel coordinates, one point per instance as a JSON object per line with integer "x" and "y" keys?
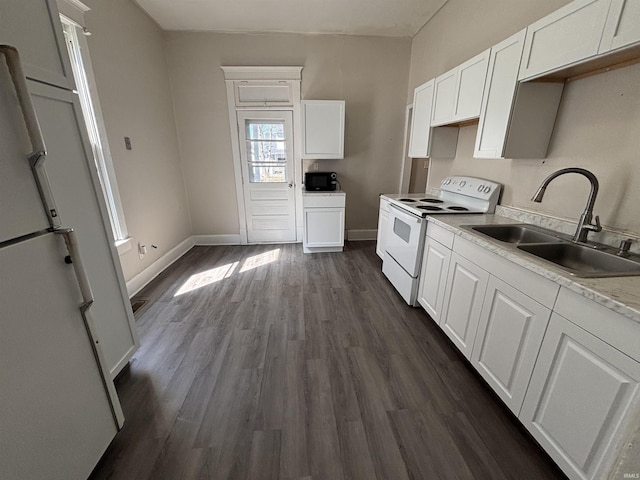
{"x": 584, "y": 224}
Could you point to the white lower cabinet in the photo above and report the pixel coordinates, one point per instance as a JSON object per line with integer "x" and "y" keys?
{"x": 433, "y": 277}
{"x": 383, "y": 216}
{"x": 509, "y": 335}
{"x": 582, "y": 397}
{"x": 464, "y": 294}
{"x": 323, "y": 222}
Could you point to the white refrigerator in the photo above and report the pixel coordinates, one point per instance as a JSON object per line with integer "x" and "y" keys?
{"x": 58, "y": 406}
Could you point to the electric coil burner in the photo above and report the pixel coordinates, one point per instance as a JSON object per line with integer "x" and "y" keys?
{"x": 406, "y": 225}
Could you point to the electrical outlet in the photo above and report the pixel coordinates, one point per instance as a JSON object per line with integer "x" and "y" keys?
{"x": 426, "y": 164}
{"x": 127, "y": 143}
{"x": 142, "y": 250}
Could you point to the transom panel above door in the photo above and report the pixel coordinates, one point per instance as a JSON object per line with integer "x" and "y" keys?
{"x": 266, "y": 155}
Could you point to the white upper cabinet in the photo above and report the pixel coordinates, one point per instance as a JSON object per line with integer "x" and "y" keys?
{"x": 444, "y": 97}
{"x": 517, "y": 118}
{"x": 421, "y": 121}
{"x": 41, "y": 46}
{"x": 323, "y": 129}
{"x": 499, "y": 93}
{"x": 469, "y": 87}
{"x": 565, "y": 37}
{"x": 623, "y": 25}
{"x": 458, "y": 93}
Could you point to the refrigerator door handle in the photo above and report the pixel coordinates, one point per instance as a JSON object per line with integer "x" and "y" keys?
{"x": 71, "y": 241}
{"x": 38, "y": 155}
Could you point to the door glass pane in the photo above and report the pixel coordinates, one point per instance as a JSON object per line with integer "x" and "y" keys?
{"x": 266, "y": 151}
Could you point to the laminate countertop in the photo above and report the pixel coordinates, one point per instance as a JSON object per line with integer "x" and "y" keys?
{"x": 620, "y": 294}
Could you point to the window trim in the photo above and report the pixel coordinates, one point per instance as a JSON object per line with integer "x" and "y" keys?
{"x": 88, "y": 95}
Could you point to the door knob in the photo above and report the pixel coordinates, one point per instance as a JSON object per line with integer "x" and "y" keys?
{"x": 291, "y": 185}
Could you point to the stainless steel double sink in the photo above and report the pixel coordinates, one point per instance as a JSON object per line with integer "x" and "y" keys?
{"x": 581, "y": 260}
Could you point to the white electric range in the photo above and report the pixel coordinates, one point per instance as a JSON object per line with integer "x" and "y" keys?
{"x": 404, "y": 239}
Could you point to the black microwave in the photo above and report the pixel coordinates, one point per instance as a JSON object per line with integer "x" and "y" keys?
{"x": 320, "y": 181}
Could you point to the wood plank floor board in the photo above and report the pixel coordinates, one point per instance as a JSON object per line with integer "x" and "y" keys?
{"x": 260, "y": 362}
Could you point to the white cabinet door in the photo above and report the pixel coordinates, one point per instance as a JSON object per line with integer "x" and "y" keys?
{"x": 567, "y": 36}
{"x": 508, "y": 340}
{"x": 499, "y": 92}
{"x": 74, "y": 181}
{"x": 421, "y": 121}
{"x": 464, "y": 294}
{"x": 324, "y": 227}
{"x": 383, "y": 217}
{"x": 433, "y": 278}
{"x": 323, "y": 129}
{"x": 33, "y": 27}
{"x": 471, "y": 77}
{"x": 623, "y": 25}
{"x": 580, "y": 400}
{"x": 444, "y": 98}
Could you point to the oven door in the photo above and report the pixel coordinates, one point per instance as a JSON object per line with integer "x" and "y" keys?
{"x": 405, "y": 239}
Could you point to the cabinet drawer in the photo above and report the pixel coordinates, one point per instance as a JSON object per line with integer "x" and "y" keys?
{"x": 541, "y": 289}
{"x": 319, "y": 200}
{"x": 441, "y": 235}
{"x": 615, "y": 329}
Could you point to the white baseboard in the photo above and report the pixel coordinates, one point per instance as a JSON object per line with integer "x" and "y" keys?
{"x": 137, "y": 283}
{"x": 362, "y": 234}
{"x": 229, "y": 239}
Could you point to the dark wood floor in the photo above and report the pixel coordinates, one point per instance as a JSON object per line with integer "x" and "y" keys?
{"x": 292, "y": 366}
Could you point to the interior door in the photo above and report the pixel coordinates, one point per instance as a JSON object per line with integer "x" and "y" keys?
{"x": 266, "y": 154}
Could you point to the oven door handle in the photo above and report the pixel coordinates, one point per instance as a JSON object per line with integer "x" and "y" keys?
{"x": 406, "y": 216}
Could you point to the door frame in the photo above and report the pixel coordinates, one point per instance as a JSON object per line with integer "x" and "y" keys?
{"x": 293, "y": 76}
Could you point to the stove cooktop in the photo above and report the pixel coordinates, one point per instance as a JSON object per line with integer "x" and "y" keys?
{"x": 458, "y": 195}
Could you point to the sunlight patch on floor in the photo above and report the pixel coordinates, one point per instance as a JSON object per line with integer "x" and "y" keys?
{"x": 207, "y": 277}
{"x": 259, "y": 260}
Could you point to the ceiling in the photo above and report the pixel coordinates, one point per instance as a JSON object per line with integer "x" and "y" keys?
{"x": 396, "y": 18}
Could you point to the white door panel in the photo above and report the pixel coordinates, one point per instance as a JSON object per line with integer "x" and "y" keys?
{"x": 266, "y": 155}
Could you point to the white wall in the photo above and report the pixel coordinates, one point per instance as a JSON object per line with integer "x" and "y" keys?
{"x": 597, "y": 125}
{"x": 370, "y": 73}
{"x": 127, "y": 52}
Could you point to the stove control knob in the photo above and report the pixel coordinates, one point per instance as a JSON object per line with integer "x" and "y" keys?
{"x": 462, "y": 183}
{"x": 446, "y": 181}
{"x": 487, "y": 189}
{"x": 480, "y": 188}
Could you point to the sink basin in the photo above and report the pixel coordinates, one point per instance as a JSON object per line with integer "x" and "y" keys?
{"x": 583, "y": 261}
{"x": 520, "y": 233}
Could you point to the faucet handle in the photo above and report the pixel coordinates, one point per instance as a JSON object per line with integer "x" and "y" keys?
{"x": 625, "y": 245}
{"x": 594, "y": 227}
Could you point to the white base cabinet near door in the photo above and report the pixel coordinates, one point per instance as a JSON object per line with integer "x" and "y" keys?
{"x": 323, "y": 221}
{"x": 582, "y": 397}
